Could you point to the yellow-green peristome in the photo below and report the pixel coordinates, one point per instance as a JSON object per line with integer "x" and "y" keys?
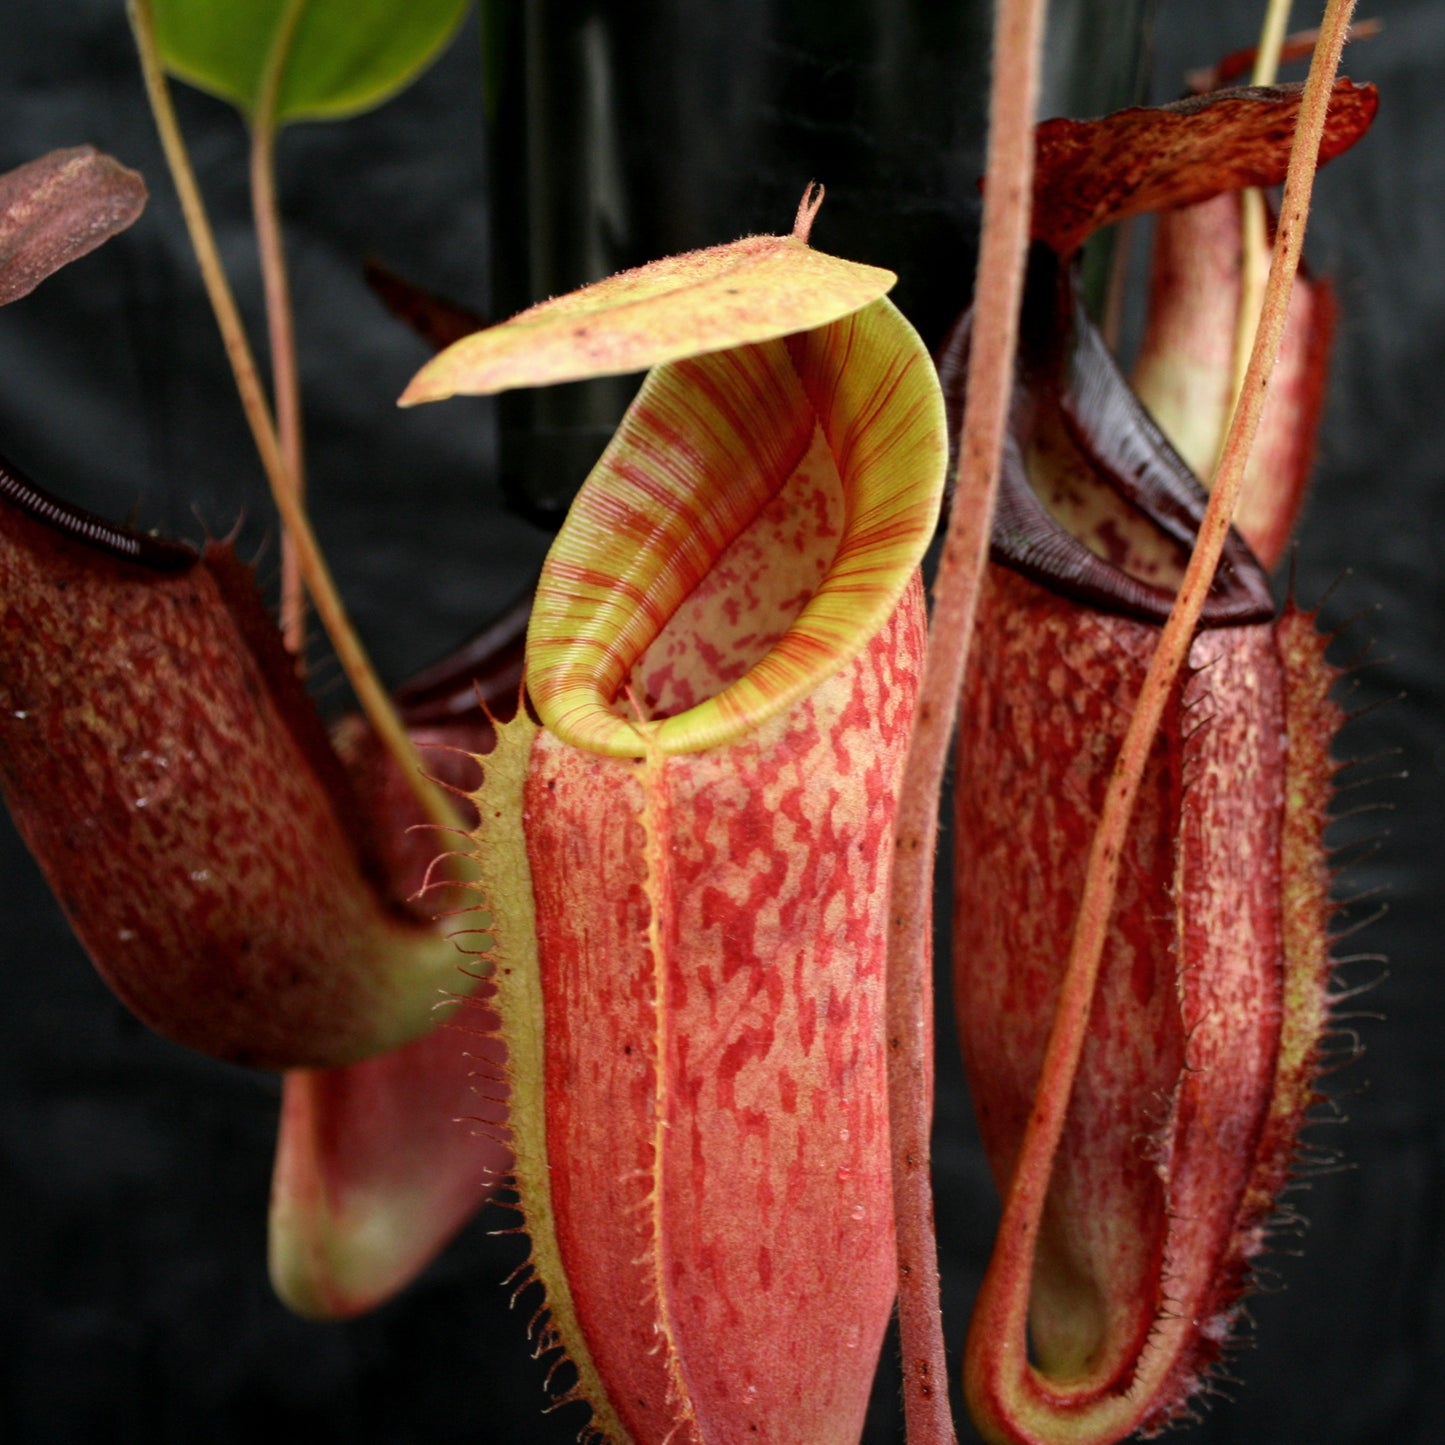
{"x": 757, "y": 348}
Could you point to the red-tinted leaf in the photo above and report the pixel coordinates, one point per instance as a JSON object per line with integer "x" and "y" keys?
{"x": 1204, "y": 1031}
{"x": 1238, "y": 64}
{"x": 55, "y": 209}
{"x": 437, "y": 321}
{"x": 753, "y": 290}
{"x": 685, "y": 868}
{"x": 1090, "y": 173}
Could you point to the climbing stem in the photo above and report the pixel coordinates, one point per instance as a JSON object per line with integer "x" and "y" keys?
{"x": 1271, "y": 42}
{"x": 1254, "y": 240}
{"x": 311, "y": 563}
{"x": 998, "y": 290}
{"x": 1000, "y": 1320}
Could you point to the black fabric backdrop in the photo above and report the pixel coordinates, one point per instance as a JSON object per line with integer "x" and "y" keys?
{"x": 133, "y": 1175}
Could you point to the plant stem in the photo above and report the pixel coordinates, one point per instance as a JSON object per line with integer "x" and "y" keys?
{"x": 1271, "y": 42}
{"x": 285, "y": 380}
{"x": 369, "y": 692}
{"x": 998, "y": 292}
{"x": 1254, "y": 240}
{"x": 1001, "y": 1320}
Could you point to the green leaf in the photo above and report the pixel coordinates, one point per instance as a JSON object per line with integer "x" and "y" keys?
{"x": 345, "y": 56}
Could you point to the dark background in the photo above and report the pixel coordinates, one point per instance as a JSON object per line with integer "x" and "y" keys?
{"x": 133, "y": 1175}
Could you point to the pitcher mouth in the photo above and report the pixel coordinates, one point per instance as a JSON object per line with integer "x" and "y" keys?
{"x": 1094, "y": 502}
{"x": 849, "y": 416}
{"x": 113, "y": 538}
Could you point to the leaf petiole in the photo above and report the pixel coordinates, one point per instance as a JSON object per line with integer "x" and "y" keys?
{"x": 310, "y": 561}
{"x": 1254, "y": 240}
{"x": 285, "y": 379}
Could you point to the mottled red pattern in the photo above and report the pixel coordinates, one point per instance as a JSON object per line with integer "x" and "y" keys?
{"x": 712, "y": 952}
{"x": 173, "y": 784}
{"x": 751, "y": 593}
{"x": 1178, "y": 1134}
{"x": 1090, "y": 173}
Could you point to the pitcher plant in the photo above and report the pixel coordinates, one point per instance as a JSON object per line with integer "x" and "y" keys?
{"x": 651, "y": 906}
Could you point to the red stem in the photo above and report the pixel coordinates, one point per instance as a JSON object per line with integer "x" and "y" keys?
{"x": 998, "y": 291}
